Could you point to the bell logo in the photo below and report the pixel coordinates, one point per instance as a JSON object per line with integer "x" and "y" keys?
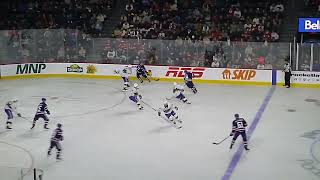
{"x": 238, "y": 74}
{"x": 179, "y": 71}
{"x": 308, "y": 25}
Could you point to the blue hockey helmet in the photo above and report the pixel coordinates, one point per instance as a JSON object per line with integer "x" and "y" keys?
{"x": 43, "y": 99}
{"x": 59, "y": 125}
{"x": 236, "y": 115}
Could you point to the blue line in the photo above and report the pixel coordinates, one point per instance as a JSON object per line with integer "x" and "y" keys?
{"x": 312, "y": 150}
{"x": 236, "y": 157}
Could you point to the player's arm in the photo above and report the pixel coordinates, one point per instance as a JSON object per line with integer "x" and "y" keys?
{"x": 46, "y": 109}
{"x": 245, "y": 123}
{"x": 234, "y": 126}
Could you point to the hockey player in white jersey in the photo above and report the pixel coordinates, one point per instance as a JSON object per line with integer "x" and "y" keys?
{"x": 169, "y": 111}
{"x": 136, "y": 97}
{"x": 10, "y": 109}
{"x": 125, "y": 73}
{"x": 178, "y": 92}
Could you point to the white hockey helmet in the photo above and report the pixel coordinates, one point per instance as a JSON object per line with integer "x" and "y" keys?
{"x": 135, "y": 85}
{"x": 14, "y": 99}
{"x": 165, "y": 103}
{"x": 174, "y": 83}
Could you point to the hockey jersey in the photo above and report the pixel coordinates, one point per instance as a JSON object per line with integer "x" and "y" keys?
{"x": 239, "y": 125}
{"x": 57, "y": 135}
{"x": 42, "y": 109}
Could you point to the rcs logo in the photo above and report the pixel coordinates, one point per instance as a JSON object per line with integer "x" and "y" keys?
{"x": 239, "y": 74}
{"x": 179, "y": 71}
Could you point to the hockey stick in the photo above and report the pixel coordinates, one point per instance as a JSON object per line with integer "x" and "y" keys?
{"x": 149, "y": 105}
{"x": 217, "y": 143}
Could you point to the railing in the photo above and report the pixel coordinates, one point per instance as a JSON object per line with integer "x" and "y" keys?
{"x": 65, "y": 45}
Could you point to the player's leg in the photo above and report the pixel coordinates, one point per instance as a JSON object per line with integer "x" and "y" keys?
{"x": 136, "y": 100}
{"x": 9, "y": 118}
{"x": 139, "y": 77}
{"x": 191, "y": 86}
{"x": 52, "y": 145}
{"x": 176, "y": 117}
{"x": 146, "y": 76}
{"x": 125, "y": 83}
{"x": 235, "y": 136}
{"x": 244, "y": 138}
{"x": 46, "y": 121}
{"x": 36, "y": 117}
{"x": 182, "y": 97}
{"x": 58, "y": 146}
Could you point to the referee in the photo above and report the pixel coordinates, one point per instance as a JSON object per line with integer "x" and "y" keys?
{"x": 287, "y": 74}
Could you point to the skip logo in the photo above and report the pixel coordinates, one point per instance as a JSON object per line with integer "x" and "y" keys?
{"x": 179, "y": 71}
{"x": 238, "y": 74}
{"x": 30, "y": 68}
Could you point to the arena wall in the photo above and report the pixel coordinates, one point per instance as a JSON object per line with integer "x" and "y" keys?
{"x": 161, "y": 73}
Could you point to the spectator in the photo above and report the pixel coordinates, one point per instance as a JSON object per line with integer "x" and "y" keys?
{"x": 215, "y": 63}
{"x": 82, "y": 54}
{"x": 279, "y": 8}
{"x": 305, "y": 66}
{"x": 316, "y": 66}
{"x": 268, "y": 65}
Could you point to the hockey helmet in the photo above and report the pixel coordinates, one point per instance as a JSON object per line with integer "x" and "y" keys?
{"x": 165, "y": 103}
{"x": 43, "y": 99}
{"x": 135, "y": 85}
{"x": 59, "y": 125}
{"x": 175, "y": 84}
{"x": 14, "y": 99}
{"x": 236, "y": 115}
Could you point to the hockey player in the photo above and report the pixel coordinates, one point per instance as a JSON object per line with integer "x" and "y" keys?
{"x": 136, "y": 97}
{"x": 55, "y": 141}
{"x": 41, "y": 113}
{"x": 239, "y": 128}
{"x": 169, "y": 112}
{"x": 188, "y": 80}
{"x": 124, "y": 73}
{"x": 178, "y": 93}
{"x": 9, "y": 109}
{"x": 142, "y": 71}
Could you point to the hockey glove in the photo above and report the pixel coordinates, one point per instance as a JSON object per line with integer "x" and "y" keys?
{"x": 176, "y": 108}
{"x": 231, "y": 134}
{"x": 159, "y": 113}
{"x": 19, "y": 115}
{"x": 140, "y": 96}
{"x": 48, "y": 112}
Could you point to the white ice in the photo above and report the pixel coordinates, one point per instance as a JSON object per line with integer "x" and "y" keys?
{"x": 108, "y": 138}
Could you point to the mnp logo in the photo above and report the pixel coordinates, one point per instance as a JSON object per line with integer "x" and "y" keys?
{"x": 30, "y": 68}
{"x": 239, "y": 74}
{"x": 179, "y": 71}
{"x": 309, "y": 24}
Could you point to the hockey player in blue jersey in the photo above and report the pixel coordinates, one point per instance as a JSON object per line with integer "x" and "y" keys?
{"x": 169, "y": 112}
{"x": 188, "y": 80}
{"x": 42, "y": 110}
{"x": 136, "y": 97}
{"x": 125, "y": 73}
{"x": 10, "y": 109}
{"x": 56, "y": 138}
{"x": 178, "y": 92}
{"x": 239, "y": 128}
{"x": 142, "y": 72}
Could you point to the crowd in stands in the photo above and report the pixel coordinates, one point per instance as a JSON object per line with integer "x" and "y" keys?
{"x": 203, "y": 19}
{"x": 313, "y": 6}
{"x": 86, "y": 15}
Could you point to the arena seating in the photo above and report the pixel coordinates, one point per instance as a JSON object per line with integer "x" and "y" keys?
{"x": 166, "y": 19}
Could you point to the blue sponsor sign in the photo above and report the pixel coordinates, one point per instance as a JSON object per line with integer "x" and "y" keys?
{"x": 309, "y": 24}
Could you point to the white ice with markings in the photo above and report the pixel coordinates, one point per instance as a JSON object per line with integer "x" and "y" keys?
{"x": 108, "y": 138}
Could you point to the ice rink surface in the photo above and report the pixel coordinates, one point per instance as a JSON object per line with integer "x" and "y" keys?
{"x": 108, "y": 138}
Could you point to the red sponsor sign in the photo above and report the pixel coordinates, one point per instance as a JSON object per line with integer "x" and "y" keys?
{"x": 179, "y": 71}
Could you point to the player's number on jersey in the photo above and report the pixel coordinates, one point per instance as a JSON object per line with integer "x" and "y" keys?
{"x": 240, "y": 124}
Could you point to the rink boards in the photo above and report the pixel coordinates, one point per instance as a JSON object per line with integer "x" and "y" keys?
{"x": 163, "y": 73}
